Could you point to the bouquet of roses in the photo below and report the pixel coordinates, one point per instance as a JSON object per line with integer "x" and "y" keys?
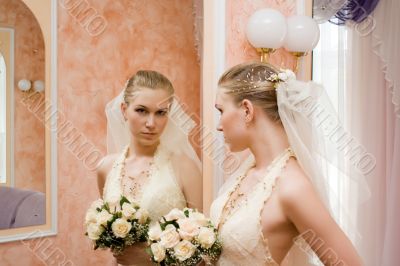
{"x": 116, "y": 226}
{"x": 183, "y": 238}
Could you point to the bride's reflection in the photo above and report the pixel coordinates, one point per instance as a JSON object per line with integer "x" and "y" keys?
{"x": 156, "y": 166}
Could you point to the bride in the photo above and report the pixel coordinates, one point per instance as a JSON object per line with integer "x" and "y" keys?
{"x": 272, "y": 211}
{"x": 155, "y": 165}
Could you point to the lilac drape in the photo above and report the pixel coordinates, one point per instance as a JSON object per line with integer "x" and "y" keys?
{"x": 354, "y": 10}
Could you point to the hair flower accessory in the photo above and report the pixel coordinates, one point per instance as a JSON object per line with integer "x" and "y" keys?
{"x": 283, "y": 76}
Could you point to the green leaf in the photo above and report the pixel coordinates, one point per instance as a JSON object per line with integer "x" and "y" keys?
{"x": 186, "y": 212}
{"x": 123, "y": 200}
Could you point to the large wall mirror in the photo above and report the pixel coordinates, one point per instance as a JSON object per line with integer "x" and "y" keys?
{"x": 27, "y": 119}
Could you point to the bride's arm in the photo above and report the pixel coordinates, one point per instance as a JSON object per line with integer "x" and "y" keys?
{"x": 305, "y": 209}
{"x": 190, "y": 179}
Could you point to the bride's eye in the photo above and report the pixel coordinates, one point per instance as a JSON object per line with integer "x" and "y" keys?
{"x": 161, "y": 113}
{"x": 140, "y": 110}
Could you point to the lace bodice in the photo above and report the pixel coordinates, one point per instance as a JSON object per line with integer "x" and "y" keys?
{"x": 159, "y": 195}
{"x": 240, "y": 229}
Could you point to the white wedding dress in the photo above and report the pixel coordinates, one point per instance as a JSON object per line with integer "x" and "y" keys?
{"x": 240, "y": 231}
{"x": 160, "y": 194}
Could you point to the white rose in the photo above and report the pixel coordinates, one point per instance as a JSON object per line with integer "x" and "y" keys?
{"x": 121, "y": 227}
{"x": 169, "y": 237}
{"x": 103, "y": 217}
{"x": 91, "y": 216}
{"x": 94, "y": 231}
{"x": 199, "y": 218}
{"x": 141, "y": 215}
{"x": 184, "y": 250}
{"x": 290, "y": 74}
{"x": 97, "y": 204}
{"x": 188, "y": 228}
{"x": 128, "y": 210}
{"x": 174, "y": 214}
{"x": 282, "y": 76}
{"x": 155, "y": 232}
{"x": 158, "y": 252}
{"x": 206, "y": 237}
{"x": 114, "y": 207}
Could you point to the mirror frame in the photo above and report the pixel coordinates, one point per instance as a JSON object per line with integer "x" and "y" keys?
{"x": 46, "y": 15}
{"x": 9, "y": 60}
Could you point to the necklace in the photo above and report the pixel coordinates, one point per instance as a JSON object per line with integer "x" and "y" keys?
{"x": 133, "y": 185}
{"x": 233, "y": 203}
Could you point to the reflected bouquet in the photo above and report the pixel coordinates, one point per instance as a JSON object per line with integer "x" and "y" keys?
{"x": 117, "y": 225}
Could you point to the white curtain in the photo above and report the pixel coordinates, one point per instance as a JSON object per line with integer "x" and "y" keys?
{"x": 372, "y": 108}
{"x": 329, "y": 69}
{"x": 2, "y": 120}
{"x": 360, "y": 67}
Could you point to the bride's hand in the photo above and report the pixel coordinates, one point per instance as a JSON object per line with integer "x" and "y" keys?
{"x": 135, "y": 254}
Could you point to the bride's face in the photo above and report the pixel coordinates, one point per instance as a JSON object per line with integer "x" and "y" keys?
{"x": 147, "y": 115}
{"x": 232, "y": 122}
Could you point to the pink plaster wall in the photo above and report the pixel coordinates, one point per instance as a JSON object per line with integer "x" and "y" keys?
{"x": 147, "y": 34}
{"x": 29, "y": 154}
{"x": 238, "y": 49}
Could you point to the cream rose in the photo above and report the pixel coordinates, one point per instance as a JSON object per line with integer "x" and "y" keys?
{"x": 141, "y": 215}
{"x": 103, "y": 217}
{"x": 155, "y": 232}
{"x": 199, "y": 218}
{"x": 206, "y": 237}
{"x": 121, "y": 227}
{"x": 158, "y": 252}
{"x": 97, "y": 204}
{"x": 114, "y": 206}
{"x": 174, "y": 214}
{"x": 128, "y": 210}
{"x": 184, "y": 250}
{"x": 94, "y": 231}
{"x": 282, "y": 76}
{"x": 188, "y": 228}
{"x": 91, "y": 216}
{"x": 169, "y": 237}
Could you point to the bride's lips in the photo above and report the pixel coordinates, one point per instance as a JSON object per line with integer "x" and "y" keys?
{"x": 149, "y": 134}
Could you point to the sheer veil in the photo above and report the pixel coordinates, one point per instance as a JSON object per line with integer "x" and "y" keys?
{"x": 326, "y": 152}
{"x": 175, "y": 137}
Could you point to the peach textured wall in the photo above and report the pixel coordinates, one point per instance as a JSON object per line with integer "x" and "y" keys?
{"x": 238, "y": 49}
{"x": 28, "y": 63}
{"x": 92, "y": 68}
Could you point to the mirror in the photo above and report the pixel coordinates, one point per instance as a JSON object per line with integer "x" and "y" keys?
{"x": 6, "y": 104}
{"x": 27, "y": 130}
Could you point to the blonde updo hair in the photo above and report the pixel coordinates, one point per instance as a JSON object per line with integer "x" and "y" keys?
{"x": 146, "y": 79}
{"x": 250, "y": 81}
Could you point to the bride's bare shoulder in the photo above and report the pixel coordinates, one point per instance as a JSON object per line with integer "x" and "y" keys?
{"x": 106, "y": 163}
{"x": 294, "y": 183}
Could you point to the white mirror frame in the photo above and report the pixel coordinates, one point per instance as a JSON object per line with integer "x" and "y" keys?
{"x": 50, "y": 228}
{"x": 10, "y": 178}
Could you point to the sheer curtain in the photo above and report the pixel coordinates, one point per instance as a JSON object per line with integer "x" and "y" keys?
{"x": 359, "y": 65}
{"x": 2, "y": 120}
{"x": 373, "y": 110}
{"x": 329, "y": 69}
